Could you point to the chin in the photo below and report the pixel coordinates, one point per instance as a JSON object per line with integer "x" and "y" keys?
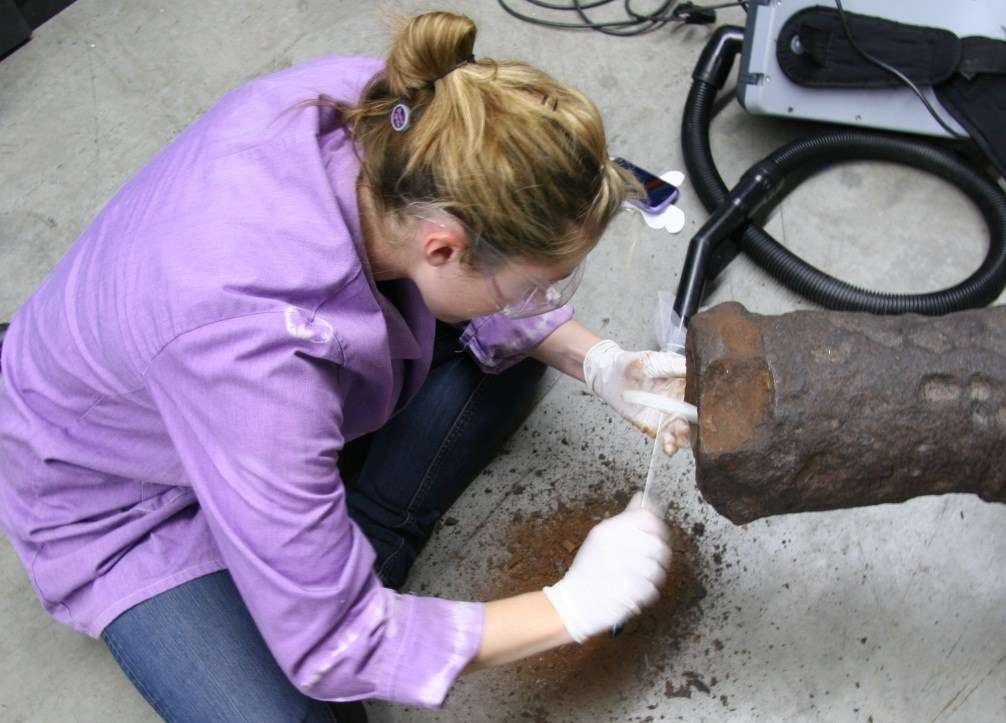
{"x": 456, "y": 313}
{"x": 455, "y": 316}
{"x": 449, "y": 318}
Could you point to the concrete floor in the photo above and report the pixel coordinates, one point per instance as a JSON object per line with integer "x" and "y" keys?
{"x": 892, "y": 613}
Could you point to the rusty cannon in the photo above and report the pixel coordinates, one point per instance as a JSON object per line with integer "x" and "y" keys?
{"x": 821, "y": 410}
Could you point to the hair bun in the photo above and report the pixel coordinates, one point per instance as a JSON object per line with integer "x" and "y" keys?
{"x": 428, "y": 48}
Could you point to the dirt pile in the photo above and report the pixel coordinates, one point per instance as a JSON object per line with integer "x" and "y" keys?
{"x": 537, "y": 550}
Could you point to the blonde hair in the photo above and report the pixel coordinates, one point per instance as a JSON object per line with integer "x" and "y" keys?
{"x": 520, "y": 158}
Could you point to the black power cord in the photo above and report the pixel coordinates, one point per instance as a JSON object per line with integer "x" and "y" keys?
{"x": 895, "y": 72}
{"x": 637, "y": 23}
{"x": 689, "y": 13}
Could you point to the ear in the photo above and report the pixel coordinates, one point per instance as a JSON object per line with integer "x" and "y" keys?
{"x": 441, "y": 246}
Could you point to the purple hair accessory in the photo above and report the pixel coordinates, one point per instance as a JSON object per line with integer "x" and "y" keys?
{"x": 400, "y": 116}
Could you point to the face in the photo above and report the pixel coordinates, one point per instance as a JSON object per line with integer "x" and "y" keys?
{"x": 455, "y": 292}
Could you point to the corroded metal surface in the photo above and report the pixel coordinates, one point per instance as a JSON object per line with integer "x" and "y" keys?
{"x": 817, "y": 410}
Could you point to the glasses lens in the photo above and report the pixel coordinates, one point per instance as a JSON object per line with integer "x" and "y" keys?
{"x": 543, "y": 297}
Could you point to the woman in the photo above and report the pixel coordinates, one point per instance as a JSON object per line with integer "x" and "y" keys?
{"x": 214, "y": 468}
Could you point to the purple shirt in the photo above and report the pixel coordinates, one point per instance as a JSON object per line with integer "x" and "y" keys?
{"x": 176, "y": 393}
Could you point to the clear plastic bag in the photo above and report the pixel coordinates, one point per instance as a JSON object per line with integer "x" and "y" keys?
{"x": 667, "y": 325}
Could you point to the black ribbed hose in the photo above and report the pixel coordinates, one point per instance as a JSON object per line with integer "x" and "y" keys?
{"x": 799, "y": 159}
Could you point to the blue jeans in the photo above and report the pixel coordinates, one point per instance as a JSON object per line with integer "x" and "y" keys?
{"x": 194, "y": 652}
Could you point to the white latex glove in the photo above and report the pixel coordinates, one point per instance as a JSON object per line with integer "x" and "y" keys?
{"x": 617, "y": 571}
{"x": 609, "y": 370}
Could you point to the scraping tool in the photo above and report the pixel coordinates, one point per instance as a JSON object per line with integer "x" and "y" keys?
{"x": 665, "y": 406}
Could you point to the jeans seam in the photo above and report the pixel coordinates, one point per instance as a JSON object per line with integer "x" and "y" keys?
{"x": 451, "y": 435}
{"x": 125, "y": 663}
{"x": 390, "y": 557}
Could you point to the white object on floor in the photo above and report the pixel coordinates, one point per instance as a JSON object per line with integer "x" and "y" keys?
{"x": 675, "y": 178}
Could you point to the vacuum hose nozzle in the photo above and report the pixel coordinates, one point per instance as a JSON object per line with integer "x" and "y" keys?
{"x": 755, "y": 188}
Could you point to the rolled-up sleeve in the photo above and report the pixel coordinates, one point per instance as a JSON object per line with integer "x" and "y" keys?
{"x": 256, "y": 419}
{"x": 497, "y": 342}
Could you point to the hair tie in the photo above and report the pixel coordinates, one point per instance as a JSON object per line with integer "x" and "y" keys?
{"x": 466, "y": 61}
{"x": 401, "y": 113}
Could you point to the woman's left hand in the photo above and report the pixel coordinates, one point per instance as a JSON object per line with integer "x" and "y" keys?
{"x": 609, "y": 370}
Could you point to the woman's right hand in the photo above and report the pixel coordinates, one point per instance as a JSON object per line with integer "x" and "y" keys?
{"x": 618, "y": 570}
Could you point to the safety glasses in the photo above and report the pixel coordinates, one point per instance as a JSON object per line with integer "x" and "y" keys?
{"x": 518, "y": 293}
